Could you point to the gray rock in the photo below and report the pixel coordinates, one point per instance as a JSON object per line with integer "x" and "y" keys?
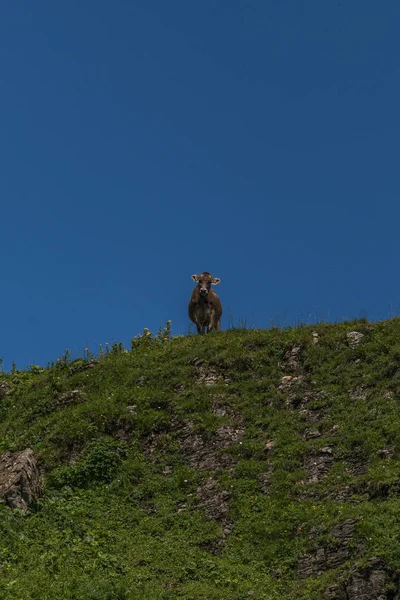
{"x": 20, "y": 482}
{"x": 5, "y": 389}
{"x": 368, "y": 583}
{"x": 354, "y": 338}
{"x": 328, "y": 557}
{"x": 69, "y": 397}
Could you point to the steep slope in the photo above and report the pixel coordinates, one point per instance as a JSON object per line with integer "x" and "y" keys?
{"x": 238, "y": 465}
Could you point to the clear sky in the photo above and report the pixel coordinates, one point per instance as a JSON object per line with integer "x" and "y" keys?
{"x": 143, "y": 141}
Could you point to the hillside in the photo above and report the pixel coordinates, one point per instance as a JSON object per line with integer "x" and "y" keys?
{"x": 238, "y": 465}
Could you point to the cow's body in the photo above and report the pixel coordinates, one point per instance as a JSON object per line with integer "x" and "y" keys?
{"x": 205, "y": 308}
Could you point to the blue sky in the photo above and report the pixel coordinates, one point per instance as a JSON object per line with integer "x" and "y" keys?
{"x": 142, "y": 142}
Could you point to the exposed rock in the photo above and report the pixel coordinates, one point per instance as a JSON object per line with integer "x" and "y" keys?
{"x": 312, "y": 415}
{"x": 386, "y": 453}
{"x": 373, "y": 582}
{"x": 315, "y": 337}
{"x": 311, "y": 434}
{"x": 358, "y": 393}
{"x": 329, "y": 557}
{"x": 69, "y": 397}
{"x": 20, "y": 482}
{"x": 292, "y": 356}
{"x": 179, "y": 388}
{"x": 5, "y": 389}
{"x": 221, "y": 409}
{"x": 84, "y": 367}
{"x": 215, "y": 502}
{"x": 343, "y": 531}
{"x": 208, "y": 375}
{"x": 357, "y": 464}
{"x": 289, "y": 381}
{"x": 318, "y": 465}
{"x": 335, "y": 592}
{"x": 196, "y": 361}
{"x": 311, "y": 564}
{"x": 354, "y": 338}
{"x": 344, "y": 493}
{"x": 265, "y": 478}
{"x": 370, "y": 583}
{"x": 206, "y": 454}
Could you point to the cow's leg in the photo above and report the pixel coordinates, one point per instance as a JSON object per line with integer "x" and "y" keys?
{"x": 212, "y": 324}
{"x": 200, "y": 328}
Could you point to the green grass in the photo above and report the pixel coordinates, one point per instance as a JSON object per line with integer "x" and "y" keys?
{"x": 121, "y": 516}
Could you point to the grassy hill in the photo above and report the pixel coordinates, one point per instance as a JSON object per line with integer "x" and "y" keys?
{"x": 245, "y": 464}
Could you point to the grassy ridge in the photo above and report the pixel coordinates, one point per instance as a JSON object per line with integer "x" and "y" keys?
{"x": 215, "y": 467}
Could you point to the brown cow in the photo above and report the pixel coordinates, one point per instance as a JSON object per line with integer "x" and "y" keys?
{"x": 205, "y": 308}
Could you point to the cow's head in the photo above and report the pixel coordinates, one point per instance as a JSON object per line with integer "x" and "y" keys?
{"x": 204, "y": 281}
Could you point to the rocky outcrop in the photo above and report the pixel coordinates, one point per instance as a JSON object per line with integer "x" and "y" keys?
{"x": 208, "y": 375}
{"x": 83, "y": 367}
{"x": 20, "y": 482}
{"x": 318, "y": 464}
{"x": 5, "y": 389}
{"x": 354, "y": 338}
{"x": 69, "y": 398}
{"x": 208, "y": 454}
{"x": 292, "y": 357}
{"x": 329, "y": 557}
{"x": 215, "y": 503}
{"x": 372, "y": 582}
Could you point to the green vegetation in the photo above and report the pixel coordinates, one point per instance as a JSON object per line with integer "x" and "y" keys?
{"x": 207, "y": 467}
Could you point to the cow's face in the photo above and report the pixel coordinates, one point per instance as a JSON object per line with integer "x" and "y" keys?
{"x": 204, "y": 282}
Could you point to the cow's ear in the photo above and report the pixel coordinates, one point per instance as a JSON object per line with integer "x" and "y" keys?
{"x": 215, "y": 280}
{"x": 195, "y": 278}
